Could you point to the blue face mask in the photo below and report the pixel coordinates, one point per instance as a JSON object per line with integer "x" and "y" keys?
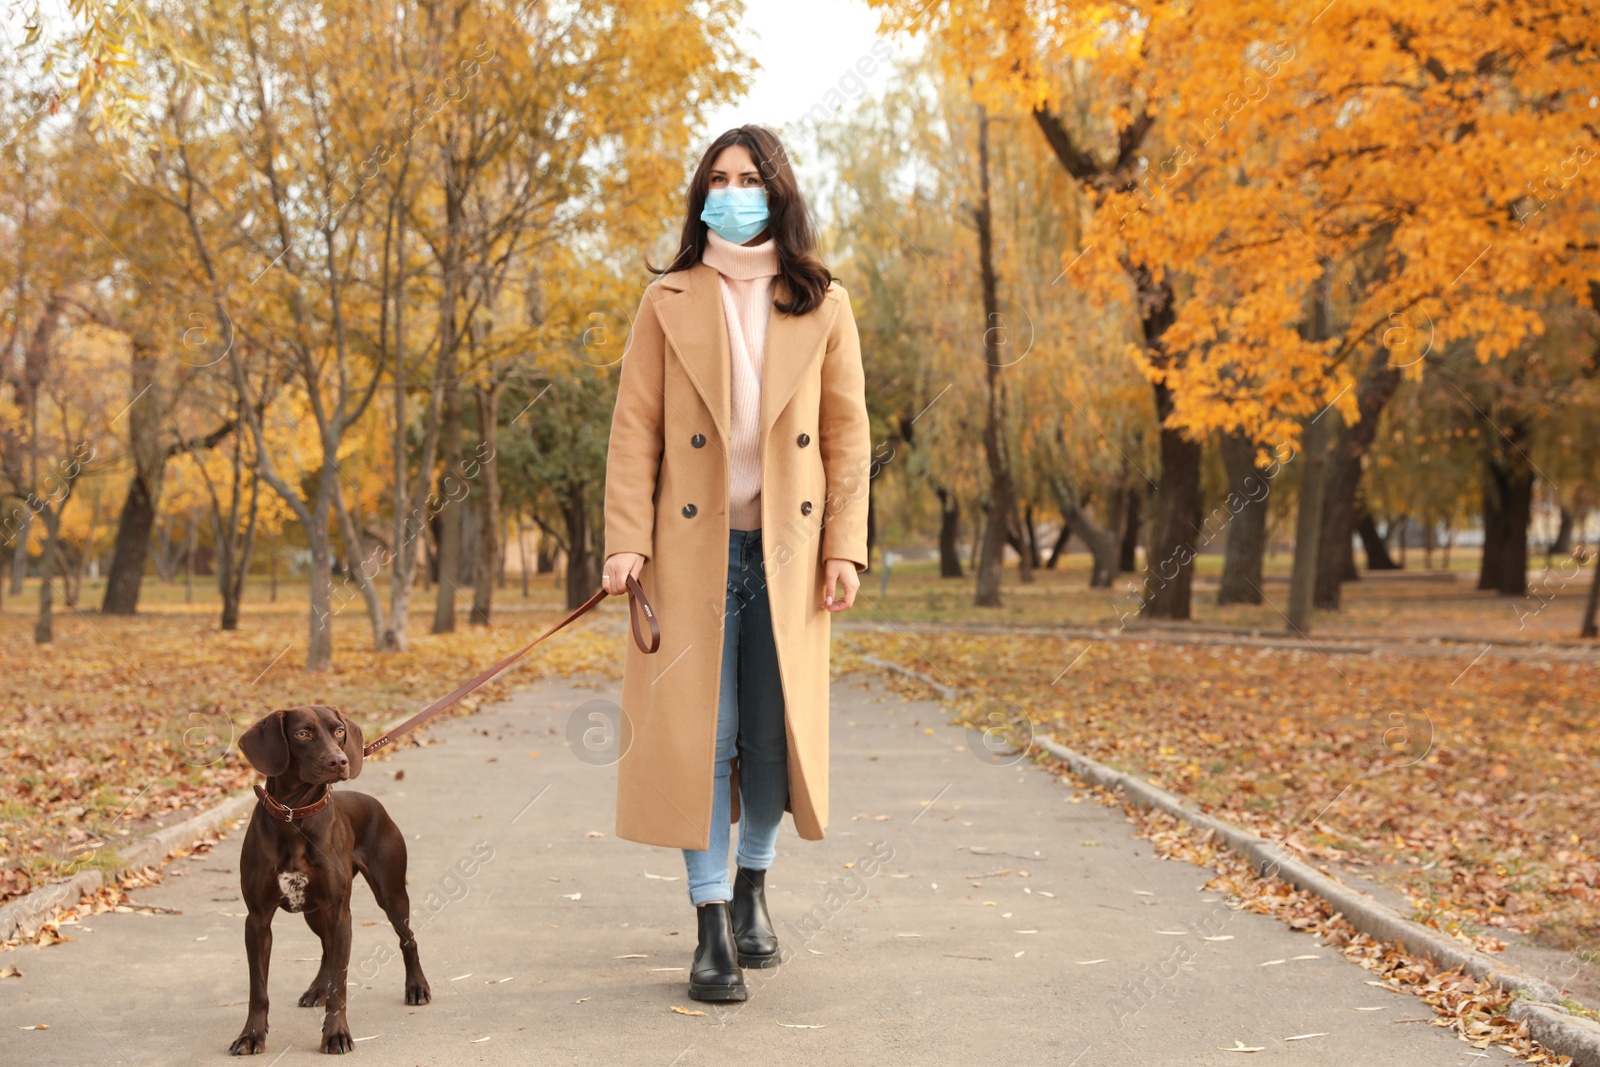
{"x": 735, "y": 214}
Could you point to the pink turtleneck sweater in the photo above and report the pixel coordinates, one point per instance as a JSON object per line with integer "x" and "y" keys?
{"x": 746, "y": 279}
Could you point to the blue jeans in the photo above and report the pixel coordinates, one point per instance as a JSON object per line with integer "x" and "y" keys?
{"x": 750, "y": 720}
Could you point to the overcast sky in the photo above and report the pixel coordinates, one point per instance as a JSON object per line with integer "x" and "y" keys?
{"x": 804, "y": 50}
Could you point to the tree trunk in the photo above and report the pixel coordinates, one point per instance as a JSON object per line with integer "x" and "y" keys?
{"x": 1059, "y": 549}
{"x": 501, "y": 569}
{"x": 190, "y": 540}
{"x": 580, "y": 583}
{"x": 1021, "y": 542}
{"x": 132, "y": 547}
{"x": 1310, "y": 524}
{"x": 1033, "y": 536}
{"x": 452, "y": 490}
{"x": 949, "y": 533}
{"x": 234, "y": 549}
{"x": 471, "y": 537}
{"x": 1592, "y": 606}
{"x": 1374, "y": 544}
{"x": 522, "y": 553}
{"x": 1335, "y": 556}
{"x": 319, "y": 647}
{"x": 1169, "y": 567}
{"x": 1248, "y": 489}
{"x": 44, "y": 626}
{"x": 489, "y": 557}
{"x": 447, "y": 558}
{"x": 1128, "y": 562}
{"x": 1102, "y": 541}
{"x": 1002, "y": 498}
{"x": 1563, "y": 540}
{"x": 1507, "y": 504}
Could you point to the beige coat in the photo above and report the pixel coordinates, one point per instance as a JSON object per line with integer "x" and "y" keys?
{"x": 667, "y": 498}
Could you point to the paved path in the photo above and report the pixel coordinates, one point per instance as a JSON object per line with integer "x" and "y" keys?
{"x": 917, "y": 937}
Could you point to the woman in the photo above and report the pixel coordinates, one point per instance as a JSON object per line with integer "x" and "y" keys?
{"x": 740, "y": 435}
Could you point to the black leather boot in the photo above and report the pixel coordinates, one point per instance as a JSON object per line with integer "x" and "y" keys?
{"x": 752, "y": 927}
{"x": 715, "y": 973}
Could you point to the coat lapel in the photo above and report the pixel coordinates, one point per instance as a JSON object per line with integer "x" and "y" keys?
{"x": 794, "y": 342}
{"x": 693, "y": 318}
{"x": 693, "y": 321}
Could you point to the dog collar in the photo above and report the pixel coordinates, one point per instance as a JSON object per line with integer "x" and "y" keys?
{"x": 284, "y": 813}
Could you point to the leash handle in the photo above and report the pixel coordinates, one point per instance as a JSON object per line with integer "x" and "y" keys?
{"x": 636, "y": 598}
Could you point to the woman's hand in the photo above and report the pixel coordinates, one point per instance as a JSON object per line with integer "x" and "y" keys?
{"x": 839, "y": 572}
{"x": 619, "y": 567}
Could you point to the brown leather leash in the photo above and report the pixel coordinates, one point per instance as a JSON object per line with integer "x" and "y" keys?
{"x": 636, "y": 597}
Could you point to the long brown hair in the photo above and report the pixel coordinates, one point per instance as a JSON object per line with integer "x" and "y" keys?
{"x": 804, "y": 275}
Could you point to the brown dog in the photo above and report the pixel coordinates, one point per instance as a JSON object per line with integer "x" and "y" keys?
{"x": 301, "y": 851}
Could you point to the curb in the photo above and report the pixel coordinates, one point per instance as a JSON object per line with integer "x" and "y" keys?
{"x": 23, "y": 916}
{"x": 1548, "y": 1023}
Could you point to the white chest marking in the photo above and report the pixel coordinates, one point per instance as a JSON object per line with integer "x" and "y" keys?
{"x": 293, "y": 886}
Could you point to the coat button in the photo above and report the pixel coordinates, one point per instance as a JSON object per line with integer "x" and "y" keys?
{"x": 690, "y": 509}
{"x": 698, "y": 440}
{"x": 805, "y": 508}
{"x": 803, "y": 440}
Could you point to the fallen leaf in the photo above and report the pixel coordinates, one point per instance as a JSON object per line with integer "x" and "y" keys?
{"x": 686, "y": 1011}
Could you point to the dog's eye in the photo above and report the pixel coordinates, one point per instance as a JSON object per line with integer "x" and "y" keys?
{"x": 302, "y": 734}
{"x": 338, "y": 733}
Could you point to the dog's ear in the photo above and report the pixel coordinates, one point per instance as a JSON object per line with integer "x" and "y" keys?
{"x": 265, "y": 745}
{"x": 354, "y": 745}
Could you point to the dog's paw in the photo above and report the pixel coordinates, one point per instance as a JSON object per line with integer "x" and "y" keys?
{"x": 249, "y": 1043}
{"x": 418, "y": 992}
{"x": 338, "y": 1041}
{"x": 313, "y": 996}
